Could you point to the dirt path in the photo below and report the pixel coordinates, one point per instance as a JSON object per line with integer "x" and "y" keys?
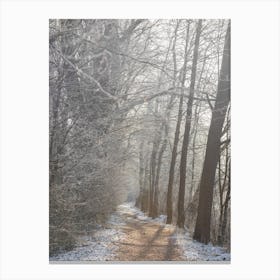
{"x": 146, "y": 241}
{"x": 131, "y": 236}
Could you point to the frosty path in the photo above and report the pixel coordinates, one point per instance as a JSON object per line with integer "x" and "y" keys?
{"x": 132, "y": 236}
{"x": 146, "y": 239}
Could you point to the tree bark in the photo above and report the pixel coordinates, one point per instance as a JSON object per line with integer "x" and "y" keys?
{"x": 145, "y": 196}
{"x": 141, "y": 175}
{"x": 202, "y": 227}
{"x": 159, "y": 163}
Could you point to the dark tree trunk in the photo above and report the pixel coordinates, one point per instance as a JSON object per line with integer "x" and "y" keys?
{"x": 183, "y": 163}
{"x": 141, "y": 175}
{"x": 202, "y": 227}
{"x": 159, "y": 163}
{"x": 225, "y": 213}
{"x": 152, "y": 176}
{"x": 225, "y": 217}
{"x": 169, "y": 206}
{"x": 145, "y": 196}
{"x": 195, "y": 128}
{"x": 222, "y": 186}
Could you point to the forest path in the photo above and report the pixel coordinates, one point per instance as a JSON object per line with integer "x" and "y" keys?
{"x": 130, "y": 235}
{"x": 146, "y": 239}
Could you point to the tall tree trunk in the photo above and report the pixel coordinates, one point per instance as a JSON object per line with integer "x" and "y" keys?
{"x": 141, "y": 175}
{"x": 222, "y": 186}
{"x": 197, "y": 111}
{"x": 183, "y": 163}
{"x": 202, "y": 227}
{"x": 159, "y": 163}
{"x": 145, "y": 196}
{"x": 226, "y": 206}
{"x": 169, "y": 201}
{"x": 193, "y": 158}
{"x": 152, "y": 177}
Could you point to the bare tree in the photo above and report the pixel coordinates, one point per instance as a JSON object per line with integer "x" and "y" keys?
{"x": 202, "y": 227}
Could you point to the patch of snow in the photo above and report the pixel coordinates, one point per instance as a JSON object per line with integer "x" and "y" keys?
{"x": 100, "y": 246}
{"x": 196, "y": 251}
{"x": 161, "y": 219}
{"x": 130, "y": 209}
{"x": 115, "y": 219}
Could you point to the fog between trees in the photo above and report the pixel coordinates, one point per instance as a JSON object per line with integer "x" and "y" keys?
{"x": 139, "y": 111}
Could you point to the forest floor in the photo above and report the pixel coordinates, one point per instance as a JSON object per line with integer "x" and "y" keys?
{"x": 131, "y": 236}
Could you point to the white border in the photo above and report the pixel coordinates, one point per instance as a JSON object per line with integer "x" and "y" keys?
{"x": 24, "y": 138}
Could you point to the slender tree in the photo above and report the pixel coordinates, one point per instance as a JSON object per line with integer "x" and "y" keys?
{"x": 183, "y": 163}
{"x": 169, "y": 200}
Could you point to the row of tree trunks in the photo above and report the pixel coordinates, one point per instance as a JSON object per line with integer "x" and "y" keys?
{"x": 157, "y": 152}
{"x": 183, "y": 162}
{"x": 169, "y": 201}
{"x": 150, "y": 168}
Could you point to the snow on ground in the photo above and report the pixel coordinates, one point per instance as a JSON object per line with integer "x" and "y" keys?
{"x": 196, "y": 251}
{"x": 130, "y": 209}
{"x": 100, "y": 246}
{"x": 192, "y": 250}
